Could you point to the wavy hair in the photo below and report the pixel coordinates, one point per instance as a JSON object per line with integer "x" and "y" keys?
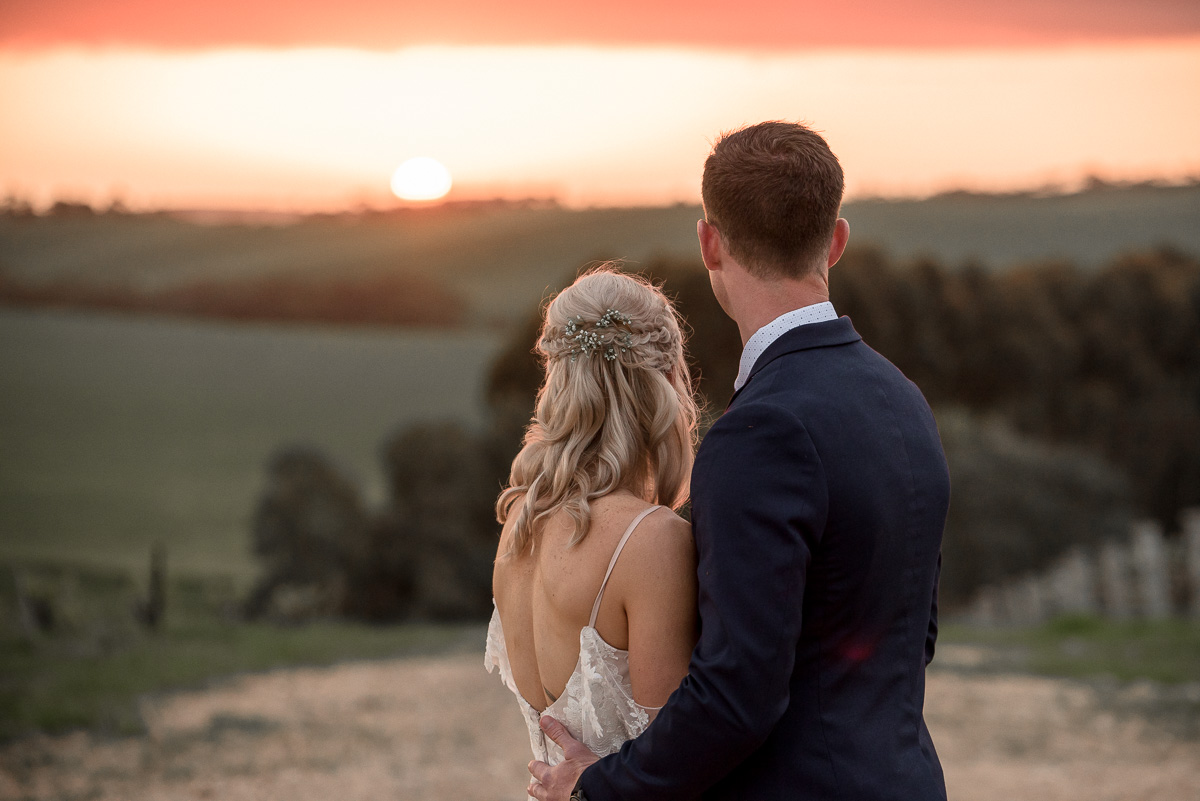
{"x": 616, "y": 409}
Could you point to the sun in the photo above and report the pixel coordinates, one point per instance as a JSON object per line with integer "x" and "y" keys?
{"x": 421, "y": 178}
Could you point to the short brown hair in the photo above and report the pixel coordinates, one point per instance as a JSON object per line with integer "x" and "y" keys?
{"x": 773, "y": 190}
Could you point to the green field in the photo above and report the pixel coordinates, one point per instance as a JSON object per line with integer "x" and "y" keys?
{"x": 121, "y": 431}
{"x": 118, "y": 432}
{"x": 1088, "y": 228}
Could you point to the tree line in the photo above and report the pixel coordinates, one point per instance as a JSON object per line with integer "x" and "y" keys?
{"x": 386, "y": 299}
{"x": 1105, "y": 360}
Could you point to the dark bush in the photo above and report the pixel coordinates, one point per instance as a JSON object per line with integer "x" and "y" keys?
{"x": 309, "y": 528}
{"x": 1016, "y": 503}
{"x": 441, "y": 498}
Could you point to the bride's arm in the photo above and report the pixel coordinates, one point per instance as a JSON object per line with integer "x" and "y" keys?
{"x": 659, "y": 597}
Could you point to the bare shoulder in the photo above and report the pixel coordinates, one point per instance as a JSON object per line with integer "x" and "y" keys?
{"x": 658, "y": 595}
{"x": 663, "y": 540}
{"x": 505, "y": 539}
{"x": 508, "y": 529}
{"x": 505, "y": 564}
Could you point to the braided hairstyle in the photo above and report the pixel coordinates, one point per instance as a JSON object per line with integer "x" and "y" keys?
{"x": 616, "y": 410}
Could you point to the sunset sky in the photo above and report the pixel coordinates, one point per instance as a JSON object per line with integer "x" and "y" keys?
{"x": 312, "y": 105}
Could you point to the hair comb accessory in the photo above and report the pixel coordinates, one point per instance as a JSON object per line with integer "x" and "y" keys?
{"x": 589, "y": 340}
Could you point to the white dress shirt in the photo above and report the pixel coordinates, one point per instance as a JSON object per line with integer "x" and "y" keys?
{"x": 763, "y": 337}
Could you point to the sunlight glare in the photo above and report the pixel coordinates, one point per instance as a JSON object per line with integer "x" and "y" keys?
{"x": 421, "y": 178}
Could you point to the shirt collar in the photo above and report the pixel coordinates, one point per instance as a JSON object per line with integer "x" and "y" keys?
{"x": 763, "y": 337}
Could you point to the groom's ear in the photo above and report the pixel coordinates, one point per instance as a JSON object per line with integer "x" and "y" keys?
{"x": 841, "y": 235}
{"x": 710, "y": 244}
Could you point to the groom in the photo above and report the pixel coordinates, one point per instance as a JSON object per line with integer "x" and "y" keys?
{"x": 818, "y": 501}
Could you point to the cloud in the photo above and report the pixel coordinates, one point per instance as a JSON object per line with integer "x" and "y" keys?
{"x": 753, "y": 24}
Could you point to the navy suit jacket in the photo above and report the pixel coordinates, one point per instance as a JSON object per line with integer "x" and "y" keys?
{"x": 818, "y": 502}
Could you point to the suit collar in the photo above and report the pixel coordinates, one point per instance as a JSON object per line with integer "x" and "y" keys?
{"x": 814, "y": 335}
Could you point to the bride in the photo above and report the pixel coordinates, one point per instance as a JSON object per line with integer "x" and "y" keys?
{"x": 594, "y": 580}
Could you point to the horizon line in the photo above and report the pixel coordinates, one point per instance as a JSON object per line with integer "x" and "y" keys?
{"x": 15, "y": 206}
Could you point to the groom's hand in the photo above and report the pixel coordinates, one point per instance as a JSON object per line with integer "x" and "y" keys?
{"x": 556, "y": 783}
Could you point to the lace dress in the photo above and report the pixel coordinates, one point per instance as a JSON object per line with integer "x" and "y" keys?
{"x": 597, "y": 705}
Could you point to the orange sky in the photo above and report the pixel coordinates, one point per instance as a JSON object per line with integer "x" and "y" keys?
{"x": 268, "y": 104}
{"x": 771, "y": 24}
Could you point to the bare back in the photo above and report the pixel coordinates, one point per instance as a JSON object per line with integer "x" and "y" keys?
{"x": 545, "y": 598}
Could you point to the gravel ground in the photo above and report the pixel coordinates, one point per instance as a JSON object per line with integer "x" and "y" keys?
{"x": 441, "y": 727}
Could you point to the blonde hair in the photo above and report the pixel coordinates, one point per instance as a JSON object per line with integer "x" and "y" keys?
{"x": 616, "y": 410}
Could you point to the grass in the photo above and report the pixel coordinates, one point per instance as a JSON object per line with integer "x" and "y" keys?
{"x": 1087, "y": 647}
{"x": 90, "y": 670}
{"x": 60, "y": 685}
{"x": 92, "y": 667}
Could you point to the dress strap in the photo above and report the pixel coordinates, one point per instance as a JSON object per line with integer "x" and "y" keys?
{"x": 613, "y": 562}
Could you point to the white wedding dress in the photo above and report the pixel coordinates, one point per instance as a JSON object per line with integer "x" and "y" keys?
{"x": 597, "y": 705}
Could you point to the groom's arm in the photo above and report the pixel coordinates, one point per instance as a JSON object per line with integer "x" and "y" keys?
{"x": 758, "y": 507}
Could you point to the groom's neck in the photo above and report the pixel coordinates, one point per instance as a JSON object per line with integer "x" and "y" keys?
{"x": 760, "y": 301}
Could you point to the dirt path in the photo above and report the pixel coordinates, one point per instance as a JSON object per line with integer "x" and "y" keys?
{"x": 434, "y": 728}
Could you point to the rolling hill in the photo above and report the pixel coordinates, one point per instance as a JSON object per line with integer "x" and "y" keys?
{"x": 501, "y": 257}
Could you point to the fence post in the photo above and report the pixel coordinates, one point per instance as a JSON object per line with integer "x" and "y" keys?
{"x": 1190, "y": 520}
{"x": 1073, "y": 584}
{"x": 1009, "y": 604}
{"x": 987, "y": 610}
{"x": 1150, "y": 561}
{"x": 1025, "y": 601}
{"x": 1114, "y": 571}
